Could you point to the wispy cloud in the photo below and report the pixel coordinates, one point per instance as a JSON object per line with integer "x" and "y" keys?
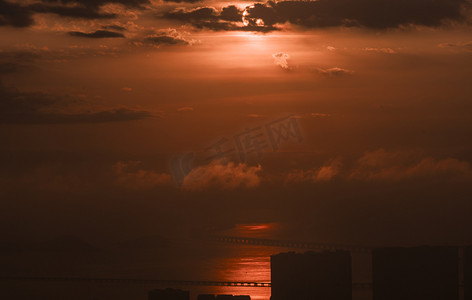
{"x": 129, "y": 174}
{"x": 222, "y": 176}
{"x": 280, "y": 59}
{"x": 381, "y": 50}
{"x": 398, "y": 165}
{"x": 40, "y": 108}
{"x": 321, "y": 174}
{"x": 464, "y": 46}
{"x": 334, "y": 72}
{"x": 99, "y": 34}
{"x": 185, "y": 108}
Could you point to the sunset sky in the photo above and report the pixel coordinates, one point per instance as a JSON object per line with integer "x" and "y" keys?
{"x": 99, "y": 99}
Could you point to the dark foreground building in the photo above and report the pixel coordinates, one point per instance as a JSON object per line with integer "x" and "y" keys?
{"x": 168, "y": 294}
{"x": 311, "y": 276}
{"x": 223, "y": 297}
{"x": 418, "y": 273}
{"x": 206, "y": 297}
{"x": 468, "y": 273}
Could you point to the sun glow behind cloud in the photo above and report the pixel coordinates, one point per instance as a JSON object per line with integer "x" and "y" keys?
{"x": 252, "y": 51}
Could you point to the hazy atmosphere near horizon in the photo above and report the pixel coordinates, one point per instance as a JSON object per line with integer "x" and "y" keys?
{"x": 135, "y": 134}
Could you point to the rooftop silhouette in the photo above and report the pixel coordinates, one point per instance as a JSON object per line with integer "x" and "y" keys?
{"x": 223, "y": 297}
{"x": 417, "y": 273}
{"x": 311, "y": 275}
{"x": 168, "y": 294}
{"x": 468, "y": 273}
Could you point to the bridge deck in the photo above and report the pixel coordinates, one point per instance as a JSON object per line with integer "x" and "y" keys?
{"x": 288, "y": 244}
{"x": 140, "y": 281}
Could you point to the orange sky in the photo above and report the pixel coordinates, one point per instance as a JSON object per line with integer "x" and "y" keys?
{"x": 142, "y": 126}
{"x": 98, "y": 96}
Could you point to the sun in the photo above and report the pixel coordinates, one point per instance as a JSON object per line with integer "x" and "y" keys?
{"x": 247, "y": 20}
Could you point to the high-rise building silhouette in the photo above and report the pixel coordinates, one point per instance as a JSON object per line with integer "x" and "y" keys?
{"x": 223, "y": 297}
{"x": 417, "y": 273}
{"x": 311, "y": 276}
{"x": 206, "y": 297}
{"x": 168, "y": 294}
{"x": 467, "y": 273}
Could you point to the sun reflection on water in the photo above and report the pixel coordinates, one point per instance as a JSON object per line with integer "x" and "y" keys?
{"x": 248, "y": 262}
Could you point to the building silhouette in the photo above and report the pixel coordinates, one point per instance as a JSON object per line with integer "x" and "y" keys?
{"x": 417, "y": 273}
{"x": 206, "y": 297}
{"x": 468, "y": 273}
{"x": 311, "y": 276}
{"x": 223, "y": 297}
{"x": 168, "y": 294}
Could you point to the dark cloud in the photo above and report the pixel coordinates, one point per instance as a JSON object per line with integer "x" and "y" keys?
{"x": 97, "y": 34}
{"x": 13, "y": 101}
{"x": 129, "y": 174}
{"x": 217, "y": 25}
{"x": 465, "y": 46}
{"x": 15, "y": 61}
{"x": 183, "y": 1}
{"x": 72, "y": 12}
{"x": 114, "y": 27}
{"x": 201, "y": 17}
{"x": 114, "y": 115}
{"x": 8, "y": 67}
{"x": 231, "y": 13}
{"x": 230, "y": 18}
{"x": 165, "y": 39}
{"x": 258, "y": 28}
{"x": 195, "y": 15}
{"x": 377, "y": 14}
{"x": 334, "y": 72}
{"x": 15, "y": 15}
{"x": 22, "y": 16}
{"x": 98, "y": 3}
{"x": 230, "y": 26}
{"x": 38, "y": 108}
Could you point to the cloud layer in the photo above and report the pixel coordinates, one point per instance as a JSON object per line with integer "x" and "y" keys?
{"x": 15, "y": 15}
{"x": 18, "y": 15}
{"x": 97, "y": 34}
{"x": 222, "y": 177}
{"x": 39, "y": 108}
{"x": 386, "y": 166}
{"x": 377, "y": 14}
{"x": 130, "y": 175}
{"x": 262, "y": 17}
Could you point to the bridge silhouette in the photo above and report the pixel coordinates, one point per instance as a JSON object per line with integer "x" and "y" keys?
{"x": 289, "y": 244}
{"x": 154, "y": 281}
{"x": 140, "y": 281}
{"x": 224, "y": 239}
